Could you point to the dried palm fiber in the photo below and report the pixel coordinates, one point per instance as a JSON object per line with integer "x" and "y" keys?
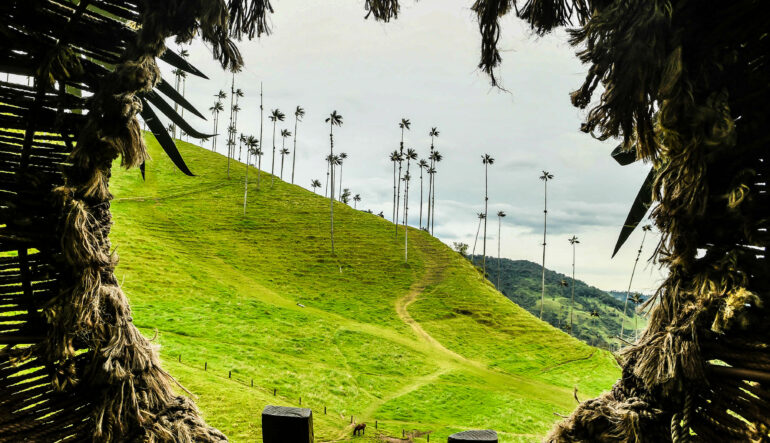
{"x": 73, "y": 366}
{"x": 687, "y": 85}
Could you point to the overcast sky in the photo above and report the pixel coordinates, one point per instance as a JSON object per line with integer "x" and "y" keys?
{"x": 324, "y": 56}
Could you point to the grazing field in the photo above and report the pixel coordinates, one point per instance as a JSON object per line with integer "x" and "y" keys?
{"x": 427, "y": 346}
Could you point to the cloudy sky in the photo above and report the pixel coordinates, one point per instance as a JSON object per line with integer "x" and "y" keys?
{"x": 324, "y": 56}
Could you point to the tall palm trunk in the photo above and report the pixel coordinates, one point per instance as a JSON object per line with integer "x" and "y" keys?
{"x": 283, "y": 146}
{"x": 420, "y": 197}
{"x": 473, "y": 253}
{"x": 545, "y": 224}
{"x": 433, "y": 206}
{"x": 261, "y": 120}
{"x": 430, "y": 184}
{"x": 572, "y": 298}
{"x": 628, "y": 293}
{"x": 394, "y": 193}
{"x": 214, "y": 137}
{"x": 328, "y": 168}
{"x": 486, "y": 200}
{"x": 246, "y": 183}
{"x": 294, "y": 154}
{"x": 331, "y": 194}
{"x": 406, "y": 212}
{"x": 499, "y": 239}
{"x": 339, "y": 196}
{"x": 398, "y": 191}
{"x": 230, "y": 134}
{"x": 272, "y": 168}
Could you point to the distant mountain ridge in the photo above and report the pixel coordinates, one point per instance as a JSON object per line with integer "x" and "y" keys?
{"x": 520, "y": 281}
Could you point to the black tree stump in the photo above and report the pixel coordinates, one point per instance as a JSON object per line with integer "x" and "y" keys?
{"x": 287, "y": 425}
{"x": 486, "y": 435}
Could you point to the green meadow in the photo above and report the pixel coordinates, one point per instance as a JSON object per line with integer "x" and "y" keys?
{"x": 259, "y": 298}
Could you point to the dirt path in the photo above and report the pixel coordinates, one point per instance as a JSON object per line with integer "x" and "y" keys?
{"x": 433, "y": 275}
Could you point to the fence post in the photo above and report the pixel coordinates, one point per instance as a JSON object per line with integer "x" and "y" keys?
{"x": 229, "y": 374}
{"x": 351, "y": 419}
{"x": 324, "y": 410}
{"x": 180, "y": 358}
{"x": 206, "y": 366}
{"x": 375, "y": 424}
{"x": 274, "y": 391}
{"x": 252, "y": 382}
{"x": 300, "y": 399}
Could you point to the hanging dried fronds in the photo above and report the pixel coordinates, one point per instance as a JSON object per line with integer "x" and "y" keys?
{"x": 383, "y": 10}
{"x": 79, "y": 369}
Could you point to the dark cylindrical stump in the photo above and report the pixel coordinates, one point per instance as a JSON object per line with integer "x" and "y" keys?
{"x": 287, "y": 425}
{"x": 486, "y": 436}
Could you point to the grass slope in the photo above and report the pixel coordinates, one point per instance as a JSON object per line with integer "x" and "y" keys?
{"x": 427, "y": 346}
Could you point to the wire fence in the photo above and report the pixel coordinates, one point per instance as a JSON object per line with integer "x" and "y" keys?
{"x": 406, "y": 435}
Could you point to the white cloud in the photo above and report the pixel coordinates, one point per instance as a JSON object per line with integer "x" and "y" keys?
{"x": 324, "y": 56}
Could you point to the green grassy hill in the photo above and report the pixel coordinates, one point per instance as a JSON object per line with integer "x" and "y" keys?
{"x": 427, "y": 346}
{"x": 521, "y": 281}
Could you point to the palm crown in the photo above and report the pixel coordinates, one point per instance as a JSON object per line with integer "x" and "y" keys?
{"x": 433, "y": 132}
{"x": 299, "y": 113}
{"x": 487, "y": 159}
{"x": 501, "y": 214}
{"x": 573, "y": 240}
{"x": 546, "y": 176}
{"x": 315, "y": 183}
{"x": 285, "y": 133}
{"x": 481, "y": 215}
{"x": 395, "y": 156}
{"x": 405, "y": 124}
{"x": 221, "y": 95}
{"x": 411, "y": 154}
{"x": 284, "y": 151}
{"x": 423, "y": 164}
{"x": 436, "y": 156}
{"x": 334, "y": 119}
{"x": 276, "y": 115}
{"x": 217, "y": 107}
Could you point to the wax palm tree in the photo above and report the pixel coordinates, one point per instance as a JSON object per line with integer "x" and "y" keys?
{"x": 645, "y": 230}
{"x": 184, "y": 53}
{"x": 178, "y": 74}
{"x": 434, "y": 133}
{"x": 241, "y": 141}
{"x": 637, "y": 300}
{"x": 406, "y": 179}
{"x": 545, "y": 177}
{"x": 395, "y": 157}
{"x": 574, "y": 242}
{"x": 334, "y": 119}
{"x": 231, "y": 124}
{"x": 261, "y": 121}
{"x": 230, "y": 145}
{"x": 284, "y": 152}
{"x": 298, "y": 114}
{"x": 594, "y": 317}
{"x": 315, "y": 183}
{"x": 411, "y": 154}
{"x": 356, "y": 199}
{"x": 341, "y": 159}
{"x": 500, "y": 216}
{"x": 481, "y": 217}
{"x": 259, "y": 153}
{"x": 329, "y": 159}
{"x": 345, "y": 196}
{"x": 275, "y": 116}
{"x": 215, "y": 110}
{"x": 436, "y": 158}
{"x": 252, "y": 145}
{"x": 487, "y": 160}
{"x": 405, "y": 125}
{"x": 423, "y": 165}
{"x": 284, "y": 133}
{"x": 221, "y": 95}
